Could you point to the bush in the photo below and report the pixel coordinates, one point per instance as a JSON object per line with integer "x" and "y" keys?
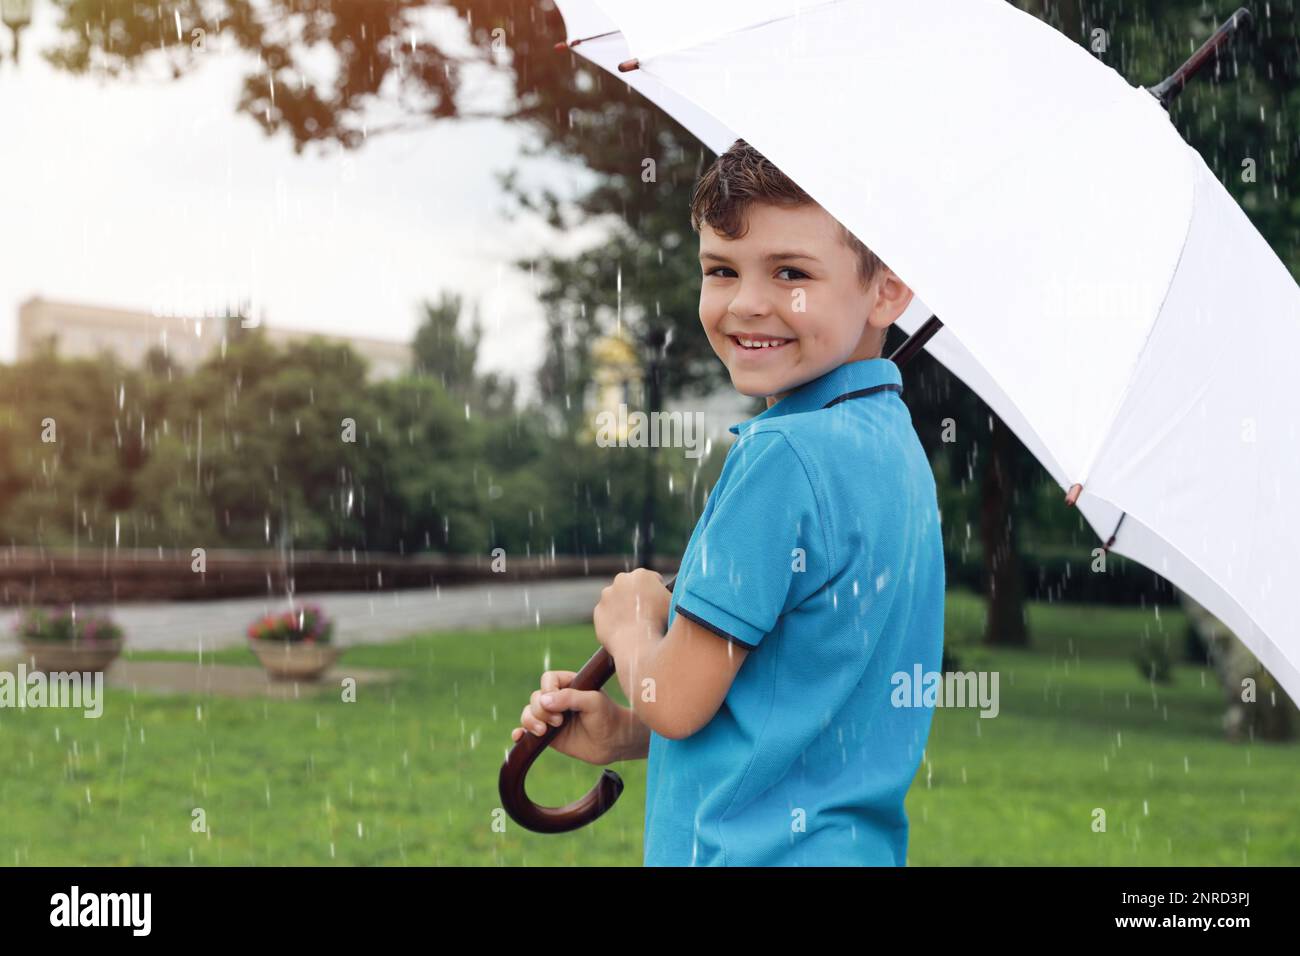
{"x": 1153, "y": 662}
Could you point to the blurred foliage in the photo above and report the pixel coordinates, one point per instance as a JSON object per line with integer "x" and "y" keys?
{"x": 262, "y": 446}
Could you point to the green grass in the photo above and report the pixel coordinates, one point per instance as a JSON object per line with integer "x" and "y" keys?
{"x": 408, "y": 773}
{"x": 1080, "y": 729}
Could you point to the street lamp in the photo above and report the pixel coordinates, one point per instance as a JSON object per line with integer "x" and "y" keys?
{"x": 16, "y": 15}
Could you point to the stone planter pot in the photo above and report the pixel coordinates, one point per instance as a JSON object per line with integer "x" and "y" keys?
{"x": 295, "y": 660}
{"x": 68, "y": 656}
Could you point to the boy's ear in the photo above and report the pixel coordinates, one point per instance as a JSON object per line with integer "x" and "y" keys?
{"x": 893, "y": 296}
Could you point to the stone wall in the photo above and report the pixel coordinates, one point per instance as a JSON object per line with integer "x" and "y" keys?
{"x": 44, "y": 576}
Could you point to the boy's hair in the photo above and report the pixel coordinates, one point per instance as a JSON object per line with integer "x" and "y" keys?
{"x": 742, "y": 175}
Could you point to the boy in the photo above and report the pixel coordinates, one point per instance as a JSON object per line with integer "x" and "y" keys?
{"x": 762, "y": 685}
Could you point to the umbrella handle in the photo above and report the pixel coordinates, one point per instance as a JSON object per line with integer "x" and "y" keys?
{"x": 598, "y": 669}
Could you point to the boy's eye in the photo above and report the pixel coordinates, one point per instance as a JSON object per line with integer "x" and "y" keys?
{"x": 798, "y": 273}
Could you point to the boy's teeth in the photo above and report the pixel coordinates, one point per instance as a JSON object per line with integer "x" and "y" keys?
{"x": 767, "y": 343}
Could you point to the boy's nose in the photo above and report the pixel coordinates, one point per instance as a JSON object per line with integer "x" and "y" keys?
{"x": 750, "y": 307}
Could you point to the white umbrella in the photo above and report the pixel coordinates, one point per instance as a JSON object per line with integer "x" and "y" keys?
{"x": 1086, "y": 263}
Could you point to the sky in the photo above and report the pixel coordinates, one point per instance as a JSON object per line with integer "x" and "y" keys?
{"x": 155, "y": 195}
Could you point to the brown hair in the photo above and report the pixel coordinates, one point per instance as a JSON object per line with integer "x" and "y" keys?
{"x": 742, "y": 175}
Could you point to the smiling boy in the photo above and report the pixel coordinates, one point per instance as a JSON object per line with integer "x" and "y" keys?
{"x": 761, "y": 685}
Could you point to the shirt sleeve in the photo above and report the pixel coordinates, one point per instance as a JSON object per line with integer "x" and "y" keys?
{"x": 763, "y": 548}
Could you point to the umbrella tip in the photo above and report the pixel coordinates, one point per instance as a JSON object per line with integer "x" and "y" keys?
{"x": 561, "y": 46}
{"x": 627, "y": 66}
{"x": 1073, "y": 495}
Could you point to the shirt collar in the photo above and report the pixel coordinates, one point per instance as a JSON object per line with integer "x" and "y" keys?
{"x": 850, "y": 380}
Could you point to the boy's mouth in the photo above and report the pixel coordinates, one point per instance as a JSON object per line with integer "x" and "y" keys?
{"x": 755, "y": 343}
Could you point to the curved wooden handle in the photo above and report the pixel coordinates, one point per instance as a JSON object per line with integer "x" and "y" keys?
{"x": 529, "y": 747}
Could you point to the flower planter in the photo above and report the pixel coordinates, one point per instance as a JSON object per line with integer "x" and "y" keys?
{"x": 68, "y": 656}
{"x": 295, "y": 660}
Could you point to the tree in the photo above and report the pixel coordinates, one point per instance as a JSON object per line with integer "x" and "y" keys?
{"x": 445, "y": 353}
{"x": 158, "y": 363}
{"x": 442, "y": 351}
{"x": 383, "y": 60}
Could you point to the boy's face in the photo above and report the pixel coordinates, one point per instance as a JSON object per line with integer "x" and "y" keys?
{"x": 791, "y": 280}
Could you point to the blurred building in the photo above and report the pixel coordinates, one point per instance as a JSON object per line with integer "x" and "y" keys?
{"x": 615, "y": 376}
{"x": 76, "y": 330}
{"x": 617, "y": 380}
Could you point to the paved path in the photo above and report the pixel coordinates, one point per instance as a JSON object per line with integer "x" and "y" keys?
{"x": 225, "y": 680}
{"x": 361, "y": 618}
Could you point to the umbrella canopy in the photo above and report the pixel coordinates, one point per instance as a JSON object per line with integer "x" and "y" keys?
{"x": 1085, "y": 261}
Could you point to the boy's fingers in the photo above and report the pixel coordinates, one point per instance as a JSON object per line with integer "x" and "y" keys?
{"x": 554, "y": 680}
{"x": 541, "y": 712}
{"x": 570, "y": 699}
{"x": 535, "y": 710}
{"x": 553, "y": 700}
{"x": 531, "y": 722}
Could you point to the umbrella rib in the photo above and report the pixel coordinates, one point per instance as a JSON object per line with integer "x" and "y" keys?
{"x": 1128, "y": 386}
{"x": 1146, "y": 342}
{"x": 1111, "y": 539}
{"x": 1164, "y": 93}
{"x": 569, "y": 44}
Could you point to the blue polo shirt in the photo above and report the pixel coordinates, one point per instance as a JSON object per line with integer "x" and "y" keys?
{"x": 819, "y": 550}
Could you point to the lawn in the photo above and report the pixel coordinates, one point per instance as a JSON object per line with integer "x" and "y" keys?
{"x": 407, "y": 774}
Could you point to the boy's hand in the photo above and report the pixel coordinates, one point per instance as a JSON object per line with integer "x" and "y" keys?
{"x": 635, "y": 604}
{"x": 596, "y": 731}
